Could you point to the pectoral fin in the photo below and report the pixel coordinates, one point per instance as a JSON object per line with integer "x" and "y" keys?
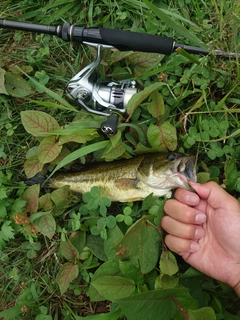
{"x": 126, "y": 184}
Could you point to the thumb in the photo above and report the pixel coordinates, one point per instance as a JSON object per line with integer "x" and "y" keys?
{"x": 215, "y": 195}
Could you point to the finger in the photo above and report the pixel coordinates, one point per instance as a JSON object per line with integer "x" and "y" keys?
{"x": 191, "y": 199}
{"x": 214, "y": 194}
{"x": 187, "y": 197}
{"x": 181, "y": 246}
{"x": 182, "y": 212}
{"x": 182, "y": 230}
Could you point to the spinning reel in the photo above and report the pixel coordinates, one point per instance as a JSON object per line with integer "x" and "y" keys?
{"x": 107, "y": 98}
{"x": 102, "y": 98}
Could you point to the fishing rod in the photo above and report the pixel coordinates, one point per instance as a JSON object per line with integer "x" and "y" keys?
{"x": 107, "y": 98}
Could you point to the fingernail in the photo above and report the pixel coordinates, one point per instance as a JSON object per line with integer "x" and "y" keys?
{"x": 199, "y": 233}
{"x": 200, "y": 218}
{"x": 191, "y": 198}
{"x": 194, "y": 246}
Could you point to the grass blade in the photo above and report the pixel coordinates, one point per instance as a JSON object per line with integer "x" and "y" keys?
{"x": 174, "y": 25}
{"x": 80, "y": 153}
{"x": 53, "y": 105}
{"x": 49, "y": 92}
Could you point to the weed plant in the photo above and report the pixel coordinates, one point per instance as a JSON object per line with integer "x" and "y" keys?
{"x": 68, "y": 258}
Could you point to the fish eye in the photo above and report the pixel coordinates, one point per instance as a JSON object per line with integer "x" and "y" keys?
{"x": 171, "y": 157}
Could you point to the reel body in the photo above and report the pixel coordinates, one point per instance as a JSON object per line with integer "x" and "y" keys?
{"x": 106, "y": 98}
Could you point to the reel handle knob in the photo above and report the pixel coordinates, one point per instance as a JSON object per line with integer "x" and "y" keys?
{"x": 109, "y": 127}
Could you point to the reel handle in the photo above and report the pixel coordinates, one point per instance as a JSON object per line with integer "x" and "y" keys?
{"x": 109, "y": 127}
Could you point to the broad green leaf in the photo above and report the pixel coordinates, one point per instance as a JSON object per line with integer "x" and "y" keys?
{"x": 96, "y": 246}
{"x": 45, "y": 202}
{"x": 78, "y": 239}
{"x": 46, "y": 225}
{"x": 164, "y": 281}
{"x": 37, "y": 123}
{"x": 141, "y": 245}
{"x": 38, "y": 215}
{"x": 49, "y": 149}
{"x": 201, "y": 314}
{"x": 139, "y": 97}
{"x": 148, "y": 253}
{"x": 142, "y": 62}
{"x": 115, "y": 235}
{"x": 77, "y": 136}
{"x": 68, "y": 251}
{"x": 32, "y": 166}
{"x": 64, "y": 153}
{"x": 168, "y": 263}
{"x": 2, "y": 80}
{"x": 120, "y": 73}
{"x": 114, "y": 287}
{"x": 136, "y": 235}
{"x": 116, "y": 138}
{"x": 129, "y": 270}
{"x": 120, "y": 55}
{"x": 61, "y": 199}
{"x": 156, "y": 105}
{"x": 110, "y": 268}
{"x": 31, "y": 195}
{"x": 16, "y": 85}
{"x": 66, "y": 274}
{"x": 149, "y": 305}
{"x": 111, "y": 153}
{"x": 162, "y": 138}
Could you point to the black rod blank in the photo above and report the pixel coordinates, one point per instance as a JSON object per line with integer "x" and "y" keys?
{"x": 120, "y": 39}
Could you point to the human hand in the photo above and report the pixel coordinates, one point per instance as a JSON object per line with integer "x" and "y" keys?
{"x": 204, "y": 229}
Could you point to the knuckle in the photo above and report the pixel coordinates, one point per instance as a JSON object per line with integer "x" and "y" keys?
{"x": 177, "y": 244}
{"x": 168, "y": 205}
{"x": 165, "y": 223}
{"x": 190, "y": 232}
{"x": 189, "y": 215}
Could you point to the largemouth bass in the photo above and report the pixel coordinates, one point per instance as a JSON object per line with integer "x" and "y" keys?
{"x": 132, "y": 179}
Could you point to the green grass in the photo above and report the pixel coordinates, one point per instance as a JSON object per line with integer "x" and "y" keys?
{"x": 198, "y": 101}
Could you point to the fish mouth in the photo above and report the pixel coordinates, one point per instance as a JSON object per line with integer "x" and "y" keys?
{"x": 185, "y": 167}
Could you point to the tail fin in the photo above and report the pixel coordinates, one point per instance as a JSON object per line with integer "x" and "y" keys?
{"x": 37, "y": 179}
